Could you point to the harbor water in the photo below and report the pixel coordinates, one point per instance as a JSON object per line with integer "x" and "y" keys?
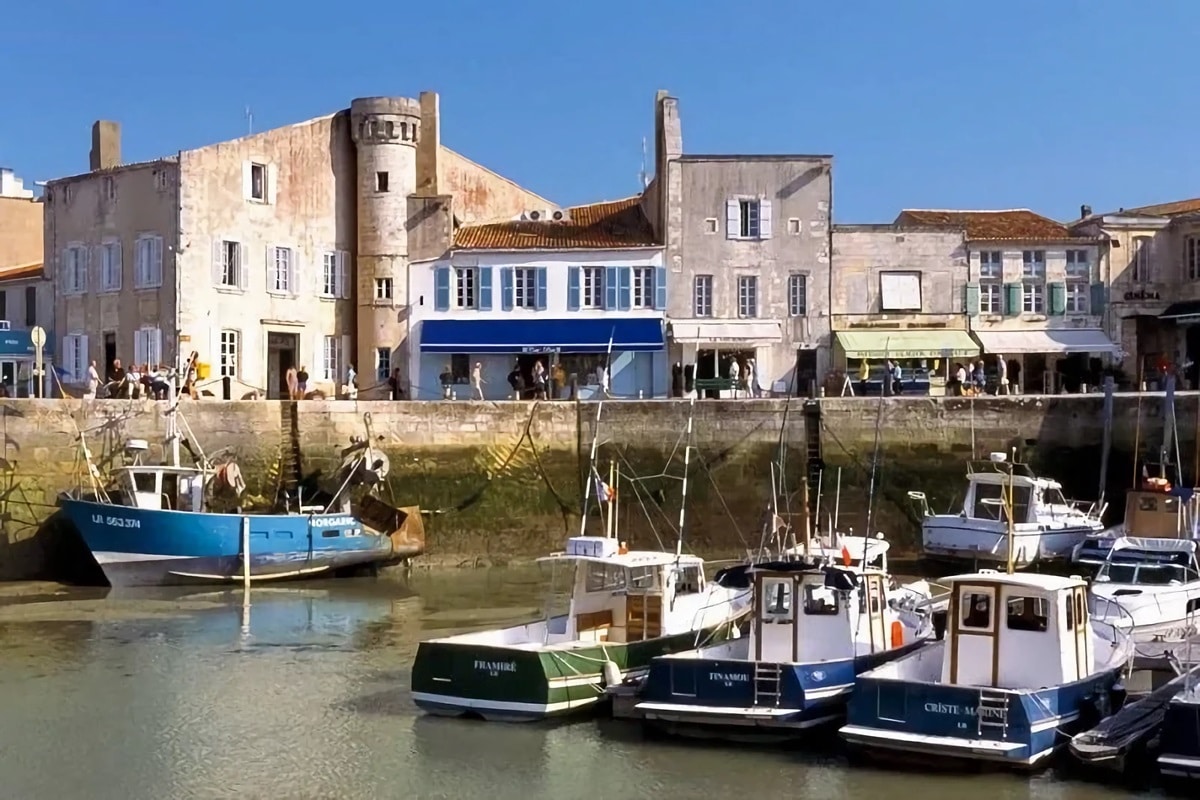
{"x": 304, "y": 694}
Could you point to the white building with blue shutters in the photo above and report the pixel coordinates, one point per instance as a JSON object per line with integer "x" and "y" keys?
{"x": 582, "y": 290}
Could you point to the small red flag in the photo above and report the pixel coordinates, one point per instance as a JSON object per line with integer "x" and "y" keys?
{"x": 846, "y": 556}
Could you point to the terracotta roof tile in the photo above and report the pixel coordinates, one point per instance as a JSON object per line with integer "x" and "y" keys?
{"x": 21, "y": 271}
{"x": 1174, "y": 209}
{"x": 619, "y": 223}
{"x": 1013, "y": 225}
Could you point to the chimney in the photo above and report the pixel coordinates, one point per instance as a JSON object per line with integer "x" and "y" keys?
{"x": 429, "y": 146}
{"x": 1085, "y": 212}
{"x": 106, "y": 145}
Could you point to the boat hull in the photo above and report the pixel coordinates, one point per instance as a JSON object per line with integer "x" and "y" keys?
{"x": 525, "y": 683}
{"x": 958, "y": 539}
{"x": 1179, "y": 742}
{"x": 934, "y": 724}
{"x": 710, "y": 697}
{"x": 151, "y": 547}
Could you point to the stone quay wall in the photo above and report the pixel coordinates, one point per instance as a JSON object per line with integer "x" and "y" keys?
{"x": 503, "y": 480}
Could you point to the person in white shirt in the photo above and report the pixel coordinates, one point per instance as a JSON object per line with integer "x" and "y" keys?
{"x": 735, "y": 372}
{"x": 477, "y": 381}
{"x": 93, "y": 380}
{"x": 751, "y": 378}
{"x": 960, "y": 377}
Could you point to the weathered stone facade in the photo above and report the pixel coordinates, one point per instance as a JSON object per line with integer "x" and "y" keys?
{"x": 504, "y": 479}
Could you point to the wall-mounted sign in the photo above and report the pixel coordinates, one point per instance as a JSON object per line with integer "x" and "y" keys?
{"x": 1141, "y": 294}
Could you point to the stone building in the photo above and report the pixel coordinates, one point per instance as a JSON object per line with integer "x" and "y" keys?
{"x": 288, "y": 247}
{"x": 747, "y": 254}
{"x": 897, "y": 293}
{"x": 1036, "y": 295}
{"x": 26, "y": 297}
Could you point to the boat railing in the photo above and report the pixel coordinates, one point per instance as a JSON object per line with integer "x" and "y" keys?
{"x": 698, "y": 617}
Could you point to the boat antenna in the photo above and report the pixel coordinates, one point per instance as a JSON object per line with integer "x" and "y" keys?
{"x": 1109, "y": 385}
{"x": 687, "y": 461}
{"x": 1008, "y": 512}
{"x": 592, "y": 473}
{"x": 875, "y": 456}
{"x": 779, "y": 485}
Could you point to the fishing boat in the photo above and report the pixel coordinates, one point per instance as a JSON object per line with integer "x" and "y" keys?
{"x": 154, "y": 524}
{"x": 1158, "y": 510}
{"x": 813, "y": 628}
{"x": 1021, "y": 664}
{"x": 626, "y": 607}
{"x": 1047, "y": 527}
{"x": 1149, "y": 588}
{"x": 1179, "y": 737}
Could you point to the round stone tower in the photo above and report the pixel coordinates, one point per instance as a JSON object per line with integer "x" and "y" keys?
{"x": 385, "y": 132}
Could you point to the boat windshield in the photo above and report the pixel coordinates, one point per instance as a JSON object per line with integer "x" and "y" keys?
{"x": 990, "y": 499}
{"x": 1148, "y": 572}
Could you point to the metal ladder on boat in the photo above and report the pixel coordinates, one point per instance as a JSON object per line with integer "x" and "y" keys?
{"x": 992, "y": 712}
{"x": 766, "y": 684}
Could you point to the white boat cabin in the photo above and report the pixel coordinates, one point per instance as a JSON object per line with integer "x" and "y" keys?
{"x": 845, "y": 550}
{"x": 1017, "y": 631}
{"x": 629, "y": 596}
{"x": 1035, "y": 501}
{"x": 1137, "y": 561}
{"x": 811, "y": 615}
{"x": 158, "y": 486}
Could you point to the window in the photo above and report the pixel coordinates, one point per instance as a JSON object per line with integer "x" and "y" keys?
{"x": 147, "y": 346}
{"x": 797, "y": 295}
{"x": 333, "y": 274}
{"x": 230, "y": 355}
{"x": 748, "y": 219}
{"x": 747, "y": 296}
{"x": 711, "y": 225}
{"x": 643, "y": 579}
{"x": 1079, "y": 277}
{"x": 465, "y": 287}
{"x": 643, "y": 287}
{"x": 383, "y": 363}
{"x": 820, "y": 600}
{"x": 75, "y": 353}
{"x": 1028, "y": 614}
{"x": 280, "y": 277}
{"x": 604, "y": 577}
{"x": 976, "y": 610}
{"x": 1070, "y": 613}
{"x": 3, "y": 304}
{"x": 592, "y": 295}
{"x": 75, "y": 269}
{"x": 702, "y": 299}
{"x": 524, "y": 288}
{"x": 1033, "y": 281}
{"x": 793, "y": 226}
{"x": 1191, "y": 257}
{"x": 381, "y": 181}
{"x": 688, "y": 580}
{"x": 147, "y": 263}
{"x": 1140, "y": 272}
{"x": 777, "y": 599}
{"x": 991, "y": 282}
{"x": 110, "y": 188}
{"x": 31, "y": 303}
{"x": 383, "y": 289}
{"x": 331, "y": 358}
{"x": 110, "y": 265}
{"x": 258, "y": 182}
{"x": 161, "y": 180}
{"x": 228, "y": 265}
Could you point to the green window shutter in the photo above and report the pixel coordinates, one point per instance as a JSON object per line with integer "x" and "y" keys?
{"x": 1012, "y": 299}
{"x": 1058, "y": 299}
{"x": 1099, "y": 298}
{"x": 971, "y": 300}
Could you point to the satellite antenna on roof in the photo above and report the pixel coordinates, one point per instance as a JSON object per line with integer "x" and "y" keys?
{"x": 249, "y": 120}
{"x": 642, "y": 176}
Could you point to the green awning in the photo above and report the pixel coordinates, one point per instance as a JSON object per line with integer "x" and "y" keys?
{"x": 907, "y": 344}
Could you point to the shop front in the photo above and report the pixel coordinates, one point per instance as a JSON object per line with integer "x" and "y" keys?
{"x": 629, "y": 351}
{"x": 1171, "y": 338}
{"x": 926, "y": 357}
{"x": 17, "y": 364}
{"x": 707, "y": 351}
{"x": 1050, "y": 360}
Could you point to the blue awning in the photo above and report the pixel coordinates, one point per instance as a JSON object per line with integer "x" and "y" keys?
{"x": 18, "y": 343}
{"x": 532, "y": 335}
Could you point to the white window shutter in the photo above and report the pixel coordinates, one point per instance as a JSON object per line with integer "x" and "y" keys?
{"x": 155, "y": 347}
{"x": 99, "y": 250}
{"x": 218, "y": 261}
{"x": 270, "y": 270}
{"x": 68, "y": 357}
{"x": 346, "y": 358}
{"x": 764, "y": 219}
{"x": 294, "y": 273}
{"x": 118, "y": 265}
{"x": 247, "y": 180}
{"x": 156, "y": 261}
{"x": 343, "y": 267}
{"x": 318, "y": 360}
{"x": 139, "y": 347}
{"x": 85, "y": 255}
{"x": 82, "y": 357}
{"x": 733, "y": 218}
{"x": 272, "y": 183}
{"x": 243, "y": 269}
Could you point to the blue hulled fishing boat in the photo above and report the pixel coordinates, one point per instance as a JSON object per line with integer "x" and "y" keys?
{"x": 155, "y": 524}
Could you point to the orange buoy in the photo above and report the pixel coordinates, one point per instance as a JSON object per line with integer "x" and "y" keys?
{"x": 622, "y": 550}
{"x": 897, "y": 634}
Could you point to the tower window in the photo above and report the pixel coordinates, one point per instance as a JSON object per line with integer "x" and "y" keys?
{"x": 258, "y": 182}
{"x": 381, "y": 181}
{"x": 389, "y": 129}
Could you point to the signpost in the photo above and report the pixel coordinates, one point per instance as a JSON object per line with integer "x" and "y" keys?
{"x": 37, "y": 336}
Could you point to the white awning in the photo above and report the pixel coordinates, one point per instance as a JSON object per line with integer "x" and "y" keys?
{"x": 1046, "y": 340}
{"x": 720, "y": 331}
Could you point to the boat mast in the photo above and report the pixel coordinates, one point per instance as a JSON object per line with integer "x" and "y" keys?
{"x": 1108, "y": 419}
{"x": 593, "y": 474}
{"x": 1008, "y": 512}
{"x": 687, "y": 460}
{"x": 172, "y": 422}
{"x": 875, "y": 455}
{"x": 611, "y": 499}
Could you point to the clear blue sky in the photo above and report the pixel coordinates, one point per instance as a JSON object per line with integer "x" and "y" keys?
{"x": 1044, "y": 104}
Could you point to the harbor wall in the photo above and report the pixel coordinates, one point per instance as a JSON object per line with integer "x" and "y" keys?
{"x": 503, "y": 480}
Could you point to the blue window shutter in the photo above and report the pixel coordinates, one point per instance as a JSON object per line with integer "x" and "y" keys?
{"x": 1058, "y": 299}
{"x": 441, "y": 289}
{"x": 573, "y": 288}
{"x": 506, "y": 288}
{"x": 1013, "y": 299}
{"x": 733, "y": 219}
{"x": 623, "y": 289}
{"x": 485, "y": 288}
{"x": 540, "y": 276}
{"x": 971, "y": 300}
{"x": 660, "y": 288}
{"x": 1099, "y": 298}
{"x": 610, "y": 287}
